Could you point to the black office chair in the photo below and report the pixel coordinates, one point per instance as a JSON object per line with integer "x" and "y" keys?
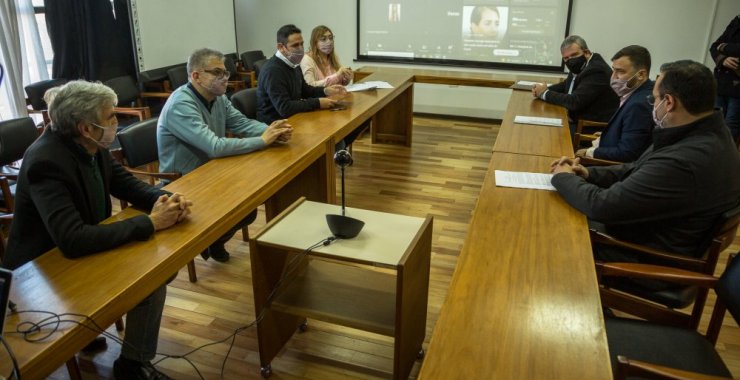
{"x": 649, "y": 350}
{"x": 131, "y": 100}
{"x": 16, "y": 135}
{"x": 139, "y": 149}
{"x": 246, "y": 102}
{"x": 35, "y": 92}
{"x": 248, "y": 59}
{"x": 257, "y": 67}
{"x": 178, "y": 76}
{"x": 665, "y": 305}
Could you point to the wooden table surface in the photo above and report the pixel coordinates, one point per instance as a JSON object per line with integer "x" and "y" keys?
{"x": 460, "y": 78}
{"x": 106, "y": 285}
{"x": 524, "y": 300}
{"x": 538, "y": 140}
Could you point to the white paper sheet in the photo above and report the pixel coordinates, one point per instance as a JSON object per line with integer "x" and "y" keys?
{"x": 524, "y": 180}
{"x": 359, "y": 87}
{"x": 548, "y": 121}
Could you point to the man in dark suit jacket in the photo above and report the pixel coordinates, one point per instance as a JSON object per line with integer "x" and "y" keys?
{"x": 630, "y": 130}
{"x": 63, "y": 193}
{"x": 586, "y": 92}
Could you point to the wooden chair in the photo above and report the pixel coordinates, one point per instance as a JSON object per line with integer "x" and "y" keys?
{"x": 662, "y": 306}
{"x": 238, "y": 79}
{"x": 139, "y": 149}
{"x": 16, "y": 135}
{"x": 131, "y": 100}
{"x": 35, "y": 101}
{"x": 586, "y": 131}
{"x": 657, "y": 351}
{"x": 246, "y": 102}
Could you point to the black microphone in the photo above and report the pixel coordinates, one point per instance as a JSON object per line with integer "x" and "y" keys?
{"x": 343, "y": 226}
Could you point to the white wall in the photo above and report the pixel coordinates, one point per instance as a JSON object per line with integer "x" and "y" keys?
{"x": 670, "y": 29}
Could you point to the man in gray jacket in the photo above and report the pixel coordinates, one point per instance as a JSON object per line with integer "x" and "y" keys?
{"x": 669, "y": 198}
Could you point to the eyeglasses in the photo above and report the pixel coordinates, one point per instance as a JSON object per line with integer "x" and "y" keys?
{"x": 326, "y": 38}
{"x": 218, "y": 73}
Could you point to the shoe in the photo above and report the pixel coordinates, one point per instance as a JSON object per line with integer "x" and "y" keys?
{"x": 205, "y": 254}
{"x": 98, "y": 344}
{"x": 127, "y": 369}
{"x": 219, "y": 254}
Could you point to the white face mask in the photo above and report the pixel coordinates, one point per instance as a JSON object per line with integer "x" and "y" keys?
{"x": 659, "y": 122}
{"x": 109, "y": 134}
{"x": 294, "y": 56}
{"x": 621, "y": 86}
{"x": 326, "y": 47}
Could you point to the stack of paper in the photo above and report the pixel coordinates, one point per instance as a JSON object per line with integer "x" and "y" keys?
{"x": 369, "y": 85}
{"x": 549, "y": 121}
{"x": 524, "y": 180}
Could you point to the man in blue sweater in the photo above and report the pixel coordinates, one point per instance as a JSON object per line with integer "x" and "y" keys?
{"x": 281, "y": 90}
{"x": 193, "y": 124}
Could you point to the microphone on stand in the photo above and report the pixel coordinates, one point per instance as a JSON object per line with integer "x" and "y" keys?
{"x": 342, "y": 226}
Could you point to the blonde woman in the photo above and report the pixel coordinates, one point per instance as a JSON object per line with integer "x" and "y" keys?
{"x": 320, "y": 65}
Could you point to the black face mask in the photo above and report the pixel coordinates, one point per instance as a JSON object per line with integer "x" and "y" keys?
{"x": 575, "y": 65}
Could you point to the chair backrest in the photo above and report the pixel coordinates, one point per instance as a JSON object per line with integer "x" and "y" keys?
{"x": 36, "y": 91}
{"x": 728, "y": 288}
{"x": 246, "y": 102}
{"x": 250, "y": 57}
{"x": 125, "y": 88}
{"x": 719, "y": 238}
{"x": 16, "y": 135}
{"x": 257, "y": 66}
{"x": 230, "y": 66}
{"x": 178, "y": 76}
{"x": 139, "y": 143}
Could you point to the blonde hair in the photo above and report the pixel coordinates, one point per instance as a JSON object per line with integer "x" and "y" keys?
{"x": 317, "y": 55}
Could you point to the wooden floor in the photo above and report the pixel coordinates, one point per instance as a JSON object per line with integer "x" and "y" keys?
{"x": 440, "y": 175}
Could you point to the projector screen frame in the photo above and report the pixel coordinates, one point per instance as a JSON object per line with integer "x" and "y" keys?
{"x": 456, "y": 62}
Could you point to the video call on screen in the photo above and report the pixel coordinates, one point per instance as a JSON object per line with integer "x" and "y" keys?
{"x": 505, "y": 31}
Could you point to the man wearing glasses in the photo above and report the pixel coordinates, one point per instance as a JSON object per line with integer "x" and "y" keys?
{"x": 192, "y": 129}
{"x": 281, "y": 90}
{"x": 670, "y": 198}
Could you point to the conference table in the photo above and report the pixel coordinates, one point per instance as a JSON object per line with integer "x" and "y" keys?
{"x": 523, "y": 302}
{"x": 100, "y": 288}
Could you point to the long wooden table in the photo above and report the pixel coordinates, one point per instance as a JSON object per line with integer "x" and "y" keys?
{"x": 106, "y": 285}
{"x": 524, "y": 300}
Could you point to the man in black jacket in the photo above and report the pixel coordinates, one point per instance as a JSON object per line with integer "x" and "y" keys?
{"x": 586, "y": 92}
{"x": 63, "y": 193}
{"x": 671, "y": 197}
{"x": 726, "y": 54}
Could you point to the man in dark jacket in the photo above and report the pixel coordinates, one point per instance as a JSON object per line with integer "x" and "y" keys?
{"x": 630, "y": 130}
{"x": 281, "y": 90}
{"x": 586, "y": 92}
{"x": 671, "y": 197}
{"x": 726, "y": 54}
{"x": 63, "y": 193}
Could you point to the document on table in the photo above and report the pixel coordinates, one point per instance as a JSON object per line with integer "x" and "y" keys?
{"x": 524, "y": 85}
{"x": 524, "y": 180}
{"x": 369, "y": 85}
{"x": 548, "y": 121}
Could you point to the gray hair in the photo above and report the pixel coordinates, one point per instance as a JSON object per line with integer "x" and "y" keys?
{"x": 574, "y": 39}
{"x": 78, "y": 101}
{"x": 199, "y": 59}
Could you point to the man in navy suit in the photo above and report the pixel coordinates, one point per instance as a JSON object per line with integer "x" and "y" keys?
{"x": 630, "y": 130}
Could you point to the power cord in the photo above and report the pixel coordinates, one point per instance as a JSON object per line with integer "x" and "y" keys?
{"x": 16, "y": 369}
{"x": 27, "y": 328}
